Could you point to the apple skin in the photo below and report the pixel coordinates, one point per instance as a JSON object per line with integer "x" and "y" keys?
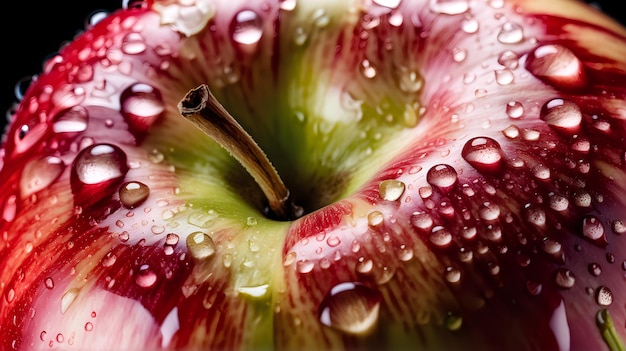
{"x": 495, "y": 227}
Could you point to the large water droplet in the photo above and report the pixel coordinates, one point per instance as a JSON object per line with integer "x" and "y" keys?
{"x": 440, "y": 237}
{"x": 352, "y": 308}
{"x": 483, "y": 153}
{"x": 200, "y": 245}
{"x": 141, "y": 106}
{"x": 97, "y": 171}
{"x": 39, "y": 174}
{"x": 449, "y": 7}
{"x": 562, "y": 115}
{"x": 564, "y": 278}
{"x": 604, "y": 296}
{"x": 133, "y": 194}
{"x": 442, "y": 176}
{"x": 392, "y": 4}
{"x": 558, "y": 66}
{"x": 133, "y": 44}
{"x": 246, "y": 28}
{"x": 391, "y": 190}
{"x": 145, "y": 276}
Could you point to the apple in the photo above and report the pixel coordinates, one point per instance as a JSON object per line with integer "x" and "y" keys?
{"x": 373, "y": 174}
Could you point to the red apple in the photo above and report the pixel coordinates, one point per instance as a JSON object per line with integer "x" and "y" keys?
{"x": 373, "y": 174}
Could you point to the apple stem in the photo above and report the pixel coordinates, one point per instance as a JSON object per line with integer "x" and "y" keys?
{"x": 200, "y": 107}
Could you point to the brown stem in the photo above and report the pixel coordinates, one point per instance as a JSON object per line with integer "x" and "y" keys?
{"x": 202, "y": 109}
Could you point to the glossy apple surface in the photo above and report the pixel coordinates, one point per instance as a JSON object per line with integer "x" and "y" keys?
{"x": 461, "y": 165}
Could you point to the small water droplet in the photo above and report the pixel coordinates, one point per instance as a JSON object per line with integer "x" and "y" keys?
{"x": 564, "y": 278}
{"x": 510, "y": 33}
{"x": 133, "y": 194}
{"x": 504, "y": 76}
{"x": 593, "y": 229}
{"x": 352, "y": 308}
{"x": 440, "y": 237}
{"x": 392, "y": 4}
{"x": 200, "y": 245}
{"x": 375, "y": 218}
{"x": 367, "y": 69}
{"x": 514, "y": 109}
{"x": 39, "y": 174}
{"x": 442, "y": 176}
{"x": 305, "y": 266}
{"x": 604, "y": 296}
{"x": 595, "y": 269}
{"x": 49, "y": 283}
{"x": 509, "y": 59}
{"x": 391, "y": 190}
{"x": 287, "y": 5}
{"x": 483, "y": 153}
{"x": 562, "y": 115}
{"x": 409, "y": 80}
{"x": 449, "y": 7}
{"x": 469, "y": 25}
{"x": 145, "y": 276}
{"x": 453, "y": 321}
{"x": 141, "y": 105}
{"x": 108, "y": 260}
{"x": 618, "y": 227}
{"x": 558, "y": 66}
{"x": 453, "y": 275}
{"x": 133, "y": 44}
{"x": 246, "y": 28}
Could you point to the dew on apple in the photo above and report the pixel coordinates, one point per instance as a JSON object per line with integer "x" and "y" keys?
{"x": 39, "y": 174}
{"x": 449, "y": 7}
{"x": 604, "y": 296}
{"x": 440, "y": 237}
{"x": 504, "y": 76}
{"x": 562, "y": 115}
{"x": 564, "y": 278}
{"x": 442, "y": 176}
{"x": 246, "y": 28}
{"x": 375, "y": 218}
{"x": 557, "y": 65}
{"x": 68, "y": 298}
{"x": 483, "y": 153}
{"x": 145, "y": 277}
{"x": 510, "y": 33}
{"x": 200, "y": 245}
{"x": 141, "y": 105}
{"x": 469, "y": 25}
{"x": 391, "y": 190}
{"x": 593, "y": 229}
{"x": 618, "y": 226}
{"x": 133, "y": 193}
{"x": 352, "y": 308}
{"x": 133, "y": 44}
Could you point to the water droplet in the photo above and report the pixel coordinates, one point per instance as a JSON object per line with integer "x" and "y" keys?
{"x": 440, "y": 237}
{"x": 453, "y": 321}
{"x": 469, "y": 25}
{"x": 562, "y": 115}
{"x": 392, "y": 4}
{"x": 287, "y": 5}
{"x": 422, "y": 221}
{"x": 409, "y": 80}
{"x": 504, "y": 76}
{"x": 133, "y": 44}
{"x": 514, "y": 109}
{"x": 604, "y": 296}
{"x": 618, "y": 227}
{"x": 535, "y": 215}
{"x": 364, "y": 266}
{"x": 391, "y": 190}
{"x": 28, "y": 135}
{"x": 558, "y": 66}
{"x": 593, "y": 229}
{"x": 483, "y": 153}
{"x": 39, "y": 174}
{"x": 72, "y": 120}
{"x": 133, "y": 194}
{"x": 595, "y": 269}
{"x": 96, "y": 172}
{"x": 352, "y": 308}
{"x": 511, "y": 132}
{"x": 375, "y": 218}
{"x": 88, "y": 326}
{"x": 509, "y": 59}
{"x": 200, "y": 245}
{"x": 246, "y": 28}
{"x": 254, "y": 292}
{"x": 68, "y": 298}
{"x": 564, "y": 278}
{"x": 558, "y": 202}
{"x": 442, "y": 176}
{"x": 367, "y": 69}
{"x": 453, "y": 275}
{"x": 533, "y": 287}
{"x": 510, "y": 33}
{"x": 305, "y": 266}
{"x": 449, "y": 7}
{"x": 145, "y": 276}
{"x": 141, "y": 105}
{"x": 49, "y": 283}
{"x": 489, "y": 211}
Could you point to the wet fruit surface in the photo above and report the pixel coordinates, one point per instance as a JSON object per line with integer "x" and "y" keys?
{"x": 460, "y": 164}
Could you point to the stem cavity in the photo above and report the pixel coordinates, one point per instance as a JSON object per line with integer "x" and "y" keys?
{"x": 200, "y": 107}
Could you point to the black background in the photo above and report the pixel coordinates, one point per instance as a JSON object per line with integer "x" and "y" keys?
{"x": 31, "y": 31}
